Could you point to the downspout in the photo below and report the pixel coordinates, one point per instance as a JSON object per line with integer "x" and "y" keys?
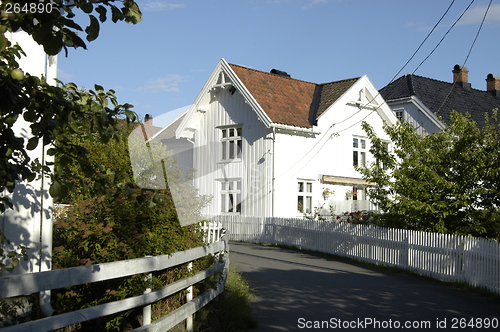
{"x": 273, "y": 168}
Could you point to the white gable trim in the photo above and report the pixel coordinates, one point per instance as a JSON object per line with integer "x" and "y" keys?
{"x": 190, "y": 122}
{"x": 376, "y": 102}
{"x": 249, "y": 99}
{"x": 383, "y": 110}
{"x": 421, "y": 106}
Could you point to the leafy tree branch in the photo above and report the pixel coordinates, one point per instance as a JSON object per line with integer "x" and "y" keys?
{"x": 445, "y": 182}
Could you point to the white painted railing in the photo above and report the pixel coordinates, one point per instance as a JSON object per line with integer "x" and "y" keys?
{"x": 25, "y": 284}
{"x": 453, "y": 258}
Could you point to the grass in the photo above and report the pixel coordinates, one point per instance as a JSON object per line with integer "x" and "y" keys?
{"x": 231, "y": 311}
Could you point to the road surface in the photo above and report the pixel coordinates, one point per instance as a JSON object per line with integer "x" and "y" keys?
{"x": 296, "y": 291}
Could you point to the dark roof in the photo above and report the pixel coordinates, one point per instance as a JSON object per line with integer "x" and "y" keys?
{"x": 442, "y": 97}
{"x": 290, "y": 101}
{"x": 330, "y": 92}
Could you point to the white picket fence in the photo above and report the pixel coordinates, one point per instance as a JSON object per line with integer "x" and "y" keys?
{"x": 452, "y": 258}
{"x": 25, "y": 284}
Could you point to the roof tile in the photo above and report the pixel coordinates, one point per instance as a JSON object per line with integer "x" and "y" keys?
{"x": 290, "y": 101}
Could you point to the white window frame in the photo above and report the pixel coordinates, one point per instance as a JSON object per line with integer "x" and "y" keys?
{"x": 230, "y": 196}
{"x": 400, "y": 114}
{"x": 304, "y": 195}
{"x": 231, "y": 143}
{"x": 359, "y": 151}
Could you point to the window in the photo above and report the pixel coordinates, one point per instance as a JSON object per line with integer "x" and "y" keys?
{"x": 230, "y": 196}
{"x": 400, "y": 115}
{"x": 304, "y": 196}
{"x": 359, "y": 152}
{"x": 231, "y": 143}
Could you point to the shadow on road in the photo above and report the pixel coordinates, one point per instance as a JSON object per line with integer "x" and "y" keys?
{"x": 293, "y": 290}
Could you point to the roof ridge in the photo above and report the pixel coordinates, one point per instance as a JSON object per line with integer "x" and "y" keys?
{"x": 296, "y": 79}
{"x": 339, "y": 81}
{"x": 436, "y": 80}
{"x": 273, "y": 75}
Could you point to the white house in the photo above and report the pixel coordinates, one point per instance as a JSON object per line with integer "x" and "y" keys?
{"x": 265, "y": 144}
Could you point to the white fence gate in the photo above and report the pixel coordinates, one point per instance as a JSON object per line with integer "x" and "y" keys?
{"x": 452, "y": 258}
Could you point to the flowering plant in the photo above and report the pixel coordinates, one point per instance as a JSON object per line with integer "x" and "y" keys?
{"x": 328, "y": 191}
{"x": 351, "y": 193}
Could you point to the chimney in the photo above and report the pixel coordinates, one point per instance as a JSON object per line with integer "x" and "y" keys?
{"x": 493, "y": 84}
{"x": 148, "y": 119}
{"x": 461, "y": 77}
{"x": 280, "y": 72}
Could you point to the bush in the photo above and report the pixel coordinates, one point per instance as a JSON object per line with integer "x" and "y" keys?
{"x": 119, "y": 222}
{"x": 231, "y": 311}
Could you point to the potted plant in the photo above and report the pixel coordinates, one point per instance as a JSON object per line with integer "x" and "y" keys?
{"x": 351, "y": 194}
{"x": 327, "y": 192}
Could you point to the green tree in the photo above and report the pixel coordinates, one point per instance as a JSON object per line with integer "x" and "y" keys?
{"x": 52, "y": 111}
{"x": 125, "y": 222}
{"x": 445, "y": 182}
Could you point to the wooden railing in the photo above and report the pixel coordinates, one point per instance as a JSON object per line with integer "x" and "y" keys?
{"x": 25, "y": 284}
{"x": 447, "y": 257}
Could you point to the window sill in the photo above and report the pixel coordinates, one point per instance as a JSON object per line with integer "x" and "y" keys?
{"x": 228, "y": 161}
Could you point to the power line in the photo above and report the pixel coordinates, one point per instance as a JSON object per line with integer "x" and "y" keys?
{"x": 468, "y": 54}
{"x": 422, "y": 43}
{"x": 427, "y": 57}
{"x": 361, "y": 107}
{"x": 407, "y": 62}
{"x": 446, "y": 34}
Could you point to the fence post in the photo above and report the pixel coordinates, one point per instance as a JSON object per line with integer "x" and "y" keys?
{"x": 146, "y": 311}
{"x": 189, "y": 298}
{"x": 405, "y": 251}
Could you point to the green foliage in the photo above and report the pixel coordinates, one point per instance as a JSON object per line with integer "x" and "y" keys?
{"x": 55, "y": 27}
{"x": 118, "y": 222}
{"x": 232, "y": 311}
{"x": 446, "y": 182}
{"x": 10, "y": 256}
{"x": 51, "y": 112}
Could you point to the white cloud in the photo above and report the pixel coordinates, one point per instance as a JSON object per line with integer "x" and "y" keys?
{"x": 169, "y": 83}
{"x": 62, "y": 75}
{"x": 153, "y": 5}
{"x": 475, "y": 15}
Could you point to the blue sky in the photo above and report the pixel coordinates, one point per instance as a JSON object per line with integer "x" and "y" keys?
{"x": 161, "y": 64}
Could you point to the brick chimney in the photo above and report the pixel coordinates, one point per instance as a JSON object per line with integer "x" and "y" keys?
{"x": 461, "y": 77}
{"x": 493, "y": 84}
{"x": 148, "y": 119}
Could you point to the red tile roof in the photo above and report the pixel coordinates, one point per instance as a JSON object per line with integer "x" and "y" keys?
{"x": 290, "y": 101}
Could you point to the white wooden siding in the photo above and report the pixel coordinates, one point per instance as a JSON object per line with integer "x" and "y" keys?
{"x": 254, "y": 168}
{"x": 414, "y": 115}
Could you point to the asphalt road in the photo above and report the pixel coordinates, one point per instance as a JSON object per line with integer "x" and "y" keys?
{"x": 295, "y": 291}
